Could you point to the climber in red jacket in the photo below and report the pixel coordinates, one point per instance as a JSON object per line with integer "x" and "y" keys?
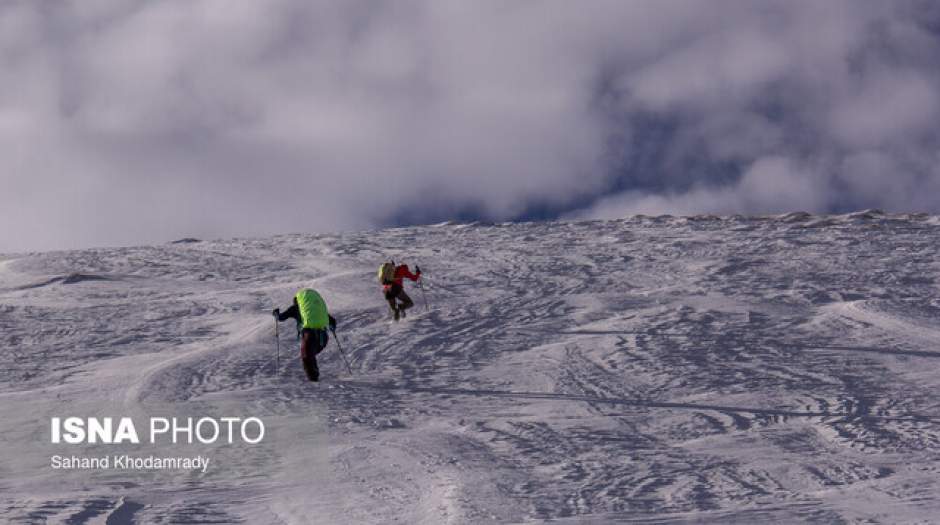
{"x": 392, "y": 278}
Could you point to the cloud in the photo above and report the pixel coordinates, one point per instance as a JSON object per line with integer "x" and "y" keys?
{"x": 769, "y": 185}
{"x": 888, "y": 107}
{"x": 130, "y": 121}
{"x": 798, "y": 106}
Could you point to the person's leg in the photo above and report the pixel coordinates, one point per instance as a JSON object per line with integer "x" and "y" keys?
{"x": 392, "y": 303}
{"x": 311, "y": 369}
{"x": 393, "y": 293}
{"x": 406, "y": 301}
{"x": 310, "y": 346}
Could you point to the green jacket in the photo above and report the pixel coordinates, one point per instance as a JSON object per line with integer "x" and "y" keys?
{"x": 309, "y": 309}
{"x": 312, "y": 309}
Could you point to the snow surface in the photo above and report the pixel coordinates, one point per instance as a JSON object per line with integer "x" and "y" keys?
{"x": 665, "y": 369}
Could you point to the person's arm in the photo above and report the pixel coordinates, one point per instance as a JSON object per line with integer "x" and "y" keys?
{"x": 407, "y": 273}
{"x": 332, "y": 322}
{"x": 292, "y": 312}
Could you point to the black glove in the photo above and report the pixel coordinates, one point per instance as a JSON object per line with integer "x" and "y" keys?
{"x": 417, "y": 269}
{"x": 332, "y": 324}
{"x": 276, "y": 312}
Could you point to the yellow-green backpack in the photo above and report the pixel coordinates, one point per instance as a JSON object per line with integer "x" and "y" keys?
{"x": 387, "y": 273}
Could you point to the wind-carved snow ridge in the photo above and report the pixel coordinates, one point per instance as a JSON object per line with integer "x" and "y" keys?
{"x": 666, "y": 369}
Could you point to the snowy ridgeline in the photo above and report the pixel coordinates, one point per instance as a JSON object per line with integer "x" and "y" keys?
{"x": 672, "y": 369}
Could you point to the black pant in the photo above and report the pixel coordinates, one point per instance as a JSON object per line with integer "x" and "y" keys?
{"x": 312, "y": 342}
{"x": 396, "y": 293}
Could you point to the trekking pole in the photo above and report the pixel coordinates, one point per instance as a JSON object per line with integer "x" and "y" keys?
{"x": 424, "y": 296}
{"x": 341, "y": 351}
{"x": 277, "y": 343}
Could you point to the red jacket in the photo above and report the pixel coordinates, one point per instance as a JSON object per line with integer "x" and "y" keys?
{"x": 401, "y": 272}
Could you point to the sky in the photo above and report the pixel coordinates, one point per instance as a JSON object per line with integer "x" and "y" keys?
{"x": 127, "y": 122}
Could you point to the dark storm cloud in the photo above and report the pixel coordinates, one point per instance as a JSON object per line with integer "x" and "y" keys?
{"x": 135, "y": 122}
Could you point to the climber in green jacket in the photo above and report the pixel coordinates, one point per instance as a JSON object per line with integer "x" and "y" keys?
{"x": 309, "y": 310}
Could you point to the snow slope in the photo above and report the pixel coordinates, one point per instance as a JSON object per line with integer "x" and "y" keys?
{"x": 653, "y": 368}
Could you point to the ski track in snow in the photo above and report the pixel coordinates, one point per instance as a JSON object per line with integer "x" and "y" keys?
{"x": 658, "y": 369}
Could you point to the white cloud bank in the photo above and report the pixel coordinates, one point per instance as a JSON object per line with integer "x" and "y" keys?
{"x": 128, "y": 122}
